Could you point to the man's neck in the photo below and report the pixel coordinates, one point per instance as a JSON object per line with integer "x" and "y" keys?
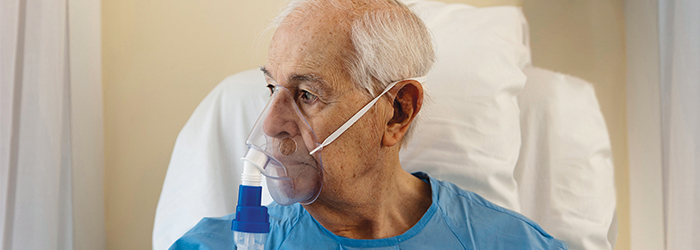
{"x": 383, "y": 209}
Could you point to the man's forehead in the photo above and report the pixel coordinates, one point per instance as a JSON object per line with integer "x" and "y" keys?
{"x": 309, "y": 51}
{"x": 312, "y": 34}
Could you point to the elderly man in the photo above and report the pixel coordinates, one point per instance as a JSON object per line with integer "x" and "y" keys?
{"x": 331, "y": 58}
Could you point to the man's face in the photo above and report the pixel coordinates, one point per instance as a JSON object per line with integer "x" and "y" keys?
{"x": 307, "y": 56}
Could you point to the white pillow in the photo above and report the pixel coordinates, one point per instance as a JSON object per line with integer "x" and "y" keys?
{"x": 565, "y": 168}
{"x": 468, "y": 132}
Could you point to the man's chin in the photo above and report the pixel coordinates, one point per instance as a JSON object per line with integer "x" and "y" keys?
{"x": 283, "y": 191}
{"x": 288, "y": 191}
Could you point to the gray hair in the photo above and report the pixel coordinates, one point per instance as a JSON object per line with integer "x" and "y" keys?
{"x": 390, "y": 42}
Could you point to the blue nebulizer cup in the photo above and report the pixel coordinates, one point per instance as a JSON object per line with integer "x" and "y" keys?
{"x": 251, "y": 226}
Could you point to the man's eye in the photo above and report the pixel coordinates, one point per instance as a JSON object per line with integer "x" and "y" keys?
{"x": 307, "y": 97}
{"x": 272, "y": 88}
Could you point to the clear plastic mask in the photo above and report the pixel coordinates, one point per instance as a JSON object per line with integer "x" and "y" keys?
{"x": 279, "y": 145}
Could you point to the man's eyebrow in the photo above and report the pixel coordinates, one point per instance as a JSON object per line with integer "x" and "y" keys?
{"x": 318, "y": 82}
{"x": 267, "y": 73}
{"x": 306, "y": 78}
{"x": 313, "y": 78}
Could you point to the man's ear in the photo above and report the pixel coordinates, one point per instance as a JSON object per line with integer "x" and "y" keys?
{"x": 407, "y": 103}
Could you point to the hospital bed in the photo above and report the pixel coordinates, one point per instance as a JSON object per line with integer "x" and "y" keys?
{"x": 528, "y": 139}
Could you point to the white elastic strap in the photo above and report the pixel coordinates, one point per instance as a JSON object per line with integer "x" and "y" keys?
{"x": 359, "y": 114}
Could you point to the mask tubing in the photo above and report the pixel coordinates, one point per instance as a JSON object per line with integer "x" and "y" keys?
{"x": 352, "y": 120}
{"x": 360, "y": 113}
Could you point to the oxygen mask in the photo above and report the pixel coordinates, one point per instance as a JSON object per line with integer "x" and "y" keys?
{"x": 279, "y": 146}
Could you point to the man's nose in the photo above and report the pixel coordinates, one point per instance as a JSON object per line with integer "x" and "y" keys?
{"x": 282, "y": 119}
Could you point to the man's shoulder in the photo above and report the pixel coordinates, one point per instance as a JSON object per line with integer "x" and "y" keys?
{"x": 285, "y": 217}
{"x": 452, "y": 196}
{"x": 209, "y": 233}
{"x": 486, "y": 223}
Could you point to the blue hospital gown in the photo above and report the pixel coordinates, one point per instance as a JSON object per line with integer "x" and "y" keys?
{"x": 456, "y": 219}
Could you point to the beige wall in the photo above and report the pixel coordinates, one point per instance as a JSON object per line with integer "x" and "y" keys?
{"x": 160, "y": 58}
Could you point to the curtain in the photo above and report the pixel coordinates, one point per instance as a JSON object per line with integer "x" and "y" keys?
{"x": 679, "y": 43}
{"x": 50, "y": 142}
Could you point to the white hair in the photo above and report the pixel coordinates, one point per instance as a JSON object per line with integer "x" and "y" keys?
{"x": 390, "y": 42}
